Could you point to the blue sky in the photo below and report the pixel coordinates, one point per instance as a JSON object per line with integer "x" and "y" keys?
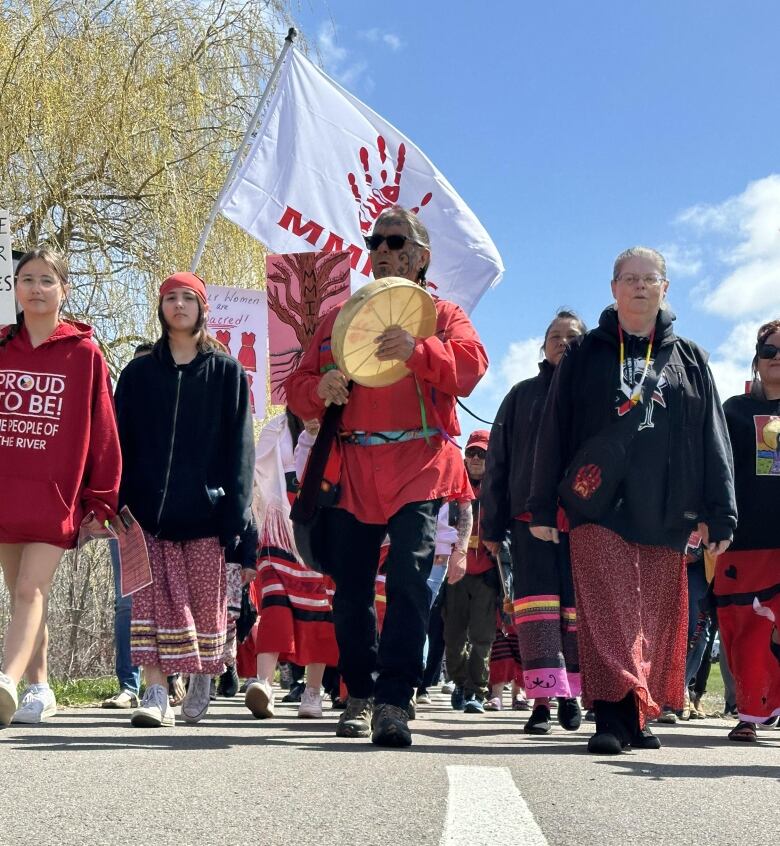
{"x": 575, "y": 130}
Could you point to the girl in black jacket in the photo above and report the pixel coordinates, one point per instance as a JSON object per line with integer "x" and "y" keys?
{"x": 187, "y": 445}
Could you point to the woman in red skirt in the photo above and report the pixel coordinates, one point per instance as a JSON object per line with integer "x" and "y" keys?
{"x": 294, "y": 603}
{"x": 627, "y": 556}
{"x": 747, "y": 576}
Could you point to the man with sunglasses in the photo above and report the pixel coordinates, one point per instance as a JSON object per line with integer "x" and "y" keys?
{"x": 398, "y": 464}
{"x": 471, "y": 601}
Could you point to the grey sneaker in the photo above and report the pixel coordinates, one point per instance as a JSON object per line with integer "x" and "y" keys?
{"x": 355, "y": 720}
{"x": 155, "y": 710}
{"x": 8, "y": 699}
{"x": 35, "y": 707}
{"x": 196, "y": 702}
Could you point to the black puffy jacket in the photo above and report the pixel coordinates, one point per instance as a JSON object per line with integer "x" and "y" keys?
{"x": 510, "y": 456}
{"x": 693, "y": 466}
{"x": 187, "y": 445}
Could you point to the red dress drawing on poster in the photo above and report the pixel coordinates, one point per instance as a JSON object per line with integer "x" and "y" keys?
{"x": 223, "y": 336}
{"x": 246, "y": 355}
{"x": 251, "y": 392}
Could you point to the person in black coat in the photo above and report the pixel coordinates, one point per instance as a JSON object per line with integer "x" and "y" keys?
{"x": 627, "y": 561}
{"x": 544, "y": 610}
{"x": 185, "y": 427}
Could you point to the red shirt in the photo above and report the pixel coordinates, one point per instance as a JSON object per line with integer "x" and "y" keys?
{"x": 59, "y": 449}
{"x": 477, "y": 560}
{"x": 378, "y": 480}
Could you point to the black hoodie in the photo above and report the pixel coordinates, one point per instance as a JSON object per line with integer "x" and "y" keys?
{"x": 680, "y": 470}
{"x": 187, "y": 445}
{"x": 510, "y": 455}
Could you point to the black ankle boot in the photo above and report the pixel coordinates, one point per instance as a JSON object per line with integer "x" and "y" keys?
{"x": 612, "y": 735}
{"x": 569, "y": 714}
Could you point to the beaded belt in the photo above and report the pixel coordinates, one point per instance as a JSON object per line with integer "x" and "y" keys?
{"x": 396, "y": 436}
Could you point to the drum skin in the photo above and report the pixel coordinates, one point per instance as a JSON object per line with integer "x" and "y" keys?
{"x": 366, "y": 314}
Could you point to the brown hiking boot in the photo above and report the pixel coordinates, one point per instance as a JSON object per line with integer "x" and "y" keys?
{"x": 390, "y": 726}
{"x": 355, "y": 720}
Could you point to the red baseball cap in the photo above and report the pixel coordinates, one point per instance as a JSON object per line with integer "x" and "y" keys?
{"x": 479, "y": 438}
{"x": 184, "y": 280}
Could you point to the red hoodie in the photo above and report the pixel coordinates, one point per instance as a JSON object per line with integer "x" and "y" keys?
{"x": 59, "y": 449}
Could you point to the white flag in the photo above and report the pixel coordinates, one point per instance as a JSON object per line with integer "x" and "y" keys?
{"x": 322, "y": 168}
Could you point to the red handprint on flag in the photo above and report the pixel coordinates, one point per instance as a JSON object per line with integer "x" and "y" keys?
{"x": 384, "y": 193}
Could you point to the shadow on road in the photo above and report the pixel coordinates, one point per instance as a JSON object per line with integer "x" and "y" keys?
{"x": 660, "y": 772}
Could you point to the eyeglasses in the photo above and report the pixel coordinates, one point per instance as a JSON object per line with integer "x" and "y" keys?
{"x": 394, "y": 242}
{"x": 768, "y": 351}
{"x": 476, "y": 452}
{"x": 650, "y": 279}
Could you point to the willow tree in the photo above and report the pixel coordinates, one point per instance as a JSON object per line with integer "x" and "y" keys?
{"x": 118, "y": 121}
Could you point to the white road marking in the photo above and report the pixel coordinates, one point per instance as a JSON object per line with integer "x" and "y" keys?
{"x": 485, "y": 806}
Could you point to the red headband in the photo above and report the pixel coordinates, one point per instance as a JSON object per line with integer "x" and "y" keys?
{"x": 184, "y": 280}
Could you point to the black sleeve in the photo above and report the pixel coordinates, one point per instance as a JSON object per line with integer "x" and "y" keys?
{"x": 553, "y": 442}
{"x": 240, "y": 457}
{"x": 720, "y": 502}
{"x": 494, "y": 491}
{"x": 244, "y": 550}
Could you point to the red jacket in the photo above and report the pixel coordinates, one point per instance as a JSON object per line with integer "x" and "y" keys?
{"x": 59, "y": 449}
{"x": 377, "y": 480}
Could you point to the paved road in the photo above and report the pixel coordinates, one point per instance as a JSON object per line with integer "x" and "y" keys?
{"x": 88, "y": 778}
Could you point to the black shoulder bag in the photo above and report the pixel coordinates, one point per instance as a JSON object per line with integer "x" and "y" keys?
{"x": 317, "y": 493}
{"x": 590, "y": 486}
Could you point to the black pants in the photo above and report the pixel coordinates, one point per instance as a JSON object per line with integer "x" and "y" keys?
{"x": 352, "y": 559}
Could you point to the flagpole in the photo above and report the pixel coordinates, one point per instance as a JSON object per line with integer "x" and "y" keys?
{"x": 288, "y": 43}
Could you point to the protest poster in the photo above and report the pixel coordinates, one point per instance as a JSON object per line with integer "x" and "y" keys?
{"x": 237, "y": 318}
{"x": 301, "y": 287}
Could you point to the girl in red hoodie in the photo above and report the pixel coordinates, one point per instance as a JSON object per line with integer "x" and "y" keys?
{"x": 59, "y": 462}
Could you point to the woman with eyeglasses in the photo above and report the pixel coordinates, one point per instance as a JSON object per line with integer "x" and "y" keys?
{"x": 674, "y": 474}
{"x": 544, "y": 614}
{"x": 747, "y": 577}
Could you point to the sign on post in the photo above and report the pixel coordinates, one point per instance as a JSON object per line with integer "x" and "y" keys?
{"x": 7, "y": 298}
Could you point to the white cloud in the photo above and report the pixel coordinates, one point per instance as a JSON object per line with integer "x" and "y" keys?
{"x": 520, "y": 361}
{"x": 730, "y": 364}
{"x": 332, "y": 54}
{"x": 339, "y": 63}
{"x": 738, "y": 243}
{"x": 376, "y": 36}
{"x": 682, "y": 260}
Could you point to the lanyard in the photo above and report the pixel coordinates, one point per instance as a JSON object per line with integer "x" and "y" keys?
{"x": 636, "y": 394}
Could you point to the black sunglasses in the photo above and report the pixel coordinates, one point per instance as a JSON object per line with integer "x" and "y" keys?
{"x": 476, "y": 452}
{"x": 394, "y": 242}
{"x": 768, "y": 350}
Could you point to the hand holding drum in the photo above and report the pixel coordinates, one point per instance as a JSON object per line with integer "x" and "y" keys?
{"x": 376, "y": 330}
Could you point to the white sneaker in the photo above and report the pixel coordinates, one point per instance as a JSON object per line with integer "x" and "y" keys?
{"x": 155, "y": 710}
{"x": 35, "y": 707}
{"x": 311, "y": 704}
{"x": 259, "y": 698}
{"x": 448, "y": 687}
{"x": 8, "y": 699}
{"x": 196, "y": 702}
